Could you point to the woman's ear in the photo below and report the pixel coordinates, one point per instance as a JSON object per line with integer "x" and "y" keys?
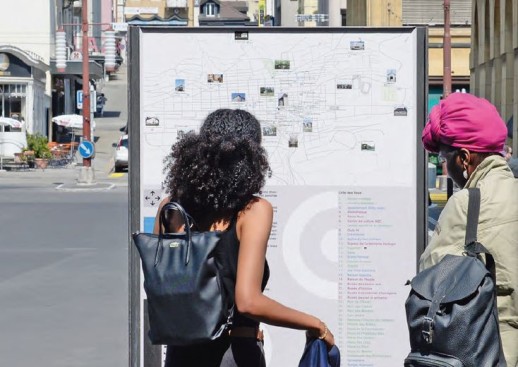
{"x": 466, "y": 158}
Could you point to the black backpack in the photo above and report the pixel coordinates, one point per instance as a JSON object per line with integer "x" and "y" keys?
{"x": 451, "y": 309}
{"x": 187, "y": 303}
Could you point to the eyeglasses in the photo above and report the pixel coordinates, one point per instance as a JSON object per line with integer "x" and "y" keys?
{"x": 444, "y": 156}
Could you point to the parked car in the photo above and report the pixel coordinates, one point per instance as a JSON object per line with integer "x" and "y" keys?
{"x": 121, "y": 154}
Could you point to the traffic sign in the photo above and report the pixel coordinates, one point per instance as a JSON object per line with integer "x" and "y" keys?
{"x": 86, "y": 149}
{"x": 79, "y": 99}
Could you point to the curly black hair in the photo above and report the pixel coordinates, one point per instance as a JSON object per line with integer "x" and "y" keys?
{"x": 216, "y": 172}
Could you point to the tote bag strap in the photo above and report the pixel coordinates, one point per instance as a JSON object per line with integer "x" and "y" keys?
{"x": 172, "y": 205}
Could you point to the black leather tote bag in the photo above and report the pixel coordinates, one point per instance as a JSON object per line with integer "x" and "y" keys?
{"x": 451, "y": 310}
{"x": 186, "y": 301}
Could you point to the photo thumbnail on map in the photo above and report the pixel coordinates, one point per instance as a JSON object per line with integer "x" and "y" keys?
{"x": 282, "y": 64}
{"x": 215, "y": 78}
{"x": 369, "y": 146}
{"x": 293, "y": 141}
{"x": 344, "y": 86}
{"x": 282, "y": 100}
{"x": 179, "y": 85}
{"x": 238, "y": 97}
{"x": 241, "y": 36}
{"x": 266, "y": 91}
{"x": 357, "y": 45}
{"x": 307, "y": 124}
{"x": 391, "y": 76}
{"x": 152, "y": 121}
{"x": 181, "y": 133}
{"x": 400, "y": 111}
{"x": 269, "y": 130}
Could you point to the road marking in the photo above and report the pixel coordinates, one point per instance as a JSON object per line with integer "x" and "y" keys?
{"x": 116, "y": 175}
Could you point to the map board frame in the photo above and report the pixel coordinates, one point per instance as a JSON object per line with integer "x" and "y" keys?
{"x": 141, "y": 352}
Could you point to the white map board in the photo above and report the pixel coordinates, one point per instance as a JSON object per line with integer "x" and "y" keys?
{"x": 340, "y": 111}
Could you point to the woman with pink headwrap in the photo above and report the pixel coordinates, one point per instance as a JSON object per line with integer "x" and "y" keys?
{"x": 470, "y": 134}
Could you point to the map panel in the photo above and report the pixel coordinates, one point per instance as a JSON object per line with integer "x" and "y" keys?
{"x": 338, "y": 112}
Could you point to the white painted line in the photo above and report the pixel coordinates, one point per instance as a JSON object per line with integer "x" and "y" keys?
{"x": 85, "y": 187}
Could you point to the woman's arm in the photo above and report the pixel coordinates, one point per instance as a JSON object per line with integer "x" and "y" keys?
{"x": 253, "y": 229}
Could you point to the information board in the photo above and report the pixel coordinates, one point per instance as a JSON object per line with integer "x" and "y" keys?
{"x": 341, "y": 111}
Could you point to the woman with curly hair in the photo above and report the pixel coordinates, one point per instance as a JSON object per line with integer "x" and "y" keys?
{"x": 216, "y": 176}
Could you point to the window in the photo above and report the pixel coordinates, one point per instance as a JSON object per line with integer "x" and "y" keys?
{"x": 210, "y": 9}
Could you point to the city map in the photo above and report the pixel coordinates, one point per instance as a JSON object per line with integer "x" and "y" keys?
{"x": 339, "y": 120}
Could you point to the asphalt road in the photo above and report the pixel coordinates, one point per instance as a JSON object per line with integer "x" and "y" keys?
{"x": 63, "y": 277}
{"x": 64, "y": 258}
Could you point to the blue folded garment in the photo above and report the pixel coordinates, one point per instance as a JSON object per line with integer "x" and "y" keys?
{"x": 316, "y": 355}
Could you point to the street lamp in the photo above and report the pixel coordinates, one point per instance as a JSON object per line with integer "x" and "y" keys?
{"x": 61, "y": 50}
{"x": 109, "y": 50}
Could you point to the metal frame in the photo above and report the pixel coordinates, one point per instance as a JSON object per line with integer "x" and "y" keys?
{"x": 134, "y": 151}
{"x": 134, "y": 194}
{"x": 422, "y": 161}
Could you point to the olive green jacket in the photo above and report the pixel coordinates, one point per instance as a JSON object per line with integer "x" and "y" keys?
{"x": 497, "y": 231}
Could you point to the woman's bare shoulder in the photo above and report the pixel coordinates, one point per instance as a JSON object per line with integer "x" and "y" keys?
{"x": 257, "y": 206}
{"x": 164, "y": 201}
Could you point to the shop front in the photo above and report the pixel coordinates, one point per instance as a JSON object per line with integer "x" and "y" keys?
{"x": 22, "y": 88}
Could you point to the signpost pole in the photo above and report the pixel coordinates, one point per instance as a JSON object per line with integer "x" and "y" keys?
{"x": 86, "y": 175}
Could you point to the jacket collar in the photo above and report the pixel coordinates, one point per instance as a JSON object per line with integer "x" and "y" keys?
{"x": 491, "y": 164}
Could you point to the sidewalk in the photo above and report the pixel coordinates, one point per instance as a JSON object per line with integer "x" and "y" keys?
{"x": 59, "y": 178}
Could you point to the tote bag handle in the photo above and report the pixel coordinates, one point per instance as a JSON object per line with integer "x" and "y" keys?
{"x": 187, "y": 228}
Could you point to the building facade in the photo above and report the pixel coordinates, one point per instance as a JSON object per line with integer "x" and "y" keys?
{"x": 429, "y": 13}
{"x": 25, "y": 51}
{"x": 494, "y": 58}
{"x": 31, "y": 87}
{"x": 196, "y": 12}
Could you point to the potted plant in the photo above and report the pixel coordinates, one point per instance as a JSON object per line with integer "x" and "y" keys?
{"x": 37, "y": 143}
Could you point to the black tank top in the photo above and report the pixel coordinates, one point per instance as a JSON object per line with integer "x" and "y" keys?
{"x": 226, "y": 256}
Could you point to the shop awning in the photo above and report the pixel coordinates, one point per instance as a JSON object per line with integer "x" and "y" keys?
{"x": 76, "y": 68}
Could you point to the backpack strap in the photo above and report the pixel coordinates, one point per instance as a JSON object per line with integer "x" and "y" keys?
{"x": 475, "y": 248}
{"x": 471, "y": 246}
{"x": 473, "y": 213}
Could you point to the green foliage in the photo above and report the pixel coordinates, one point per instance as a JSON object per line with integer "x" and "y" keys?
{"x": 38, "y": 144}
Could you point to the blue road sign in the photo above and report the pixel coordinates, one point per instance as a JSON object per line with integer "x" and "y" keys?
{"x": 86, "y": 149}
{"x": 79, "y": 99}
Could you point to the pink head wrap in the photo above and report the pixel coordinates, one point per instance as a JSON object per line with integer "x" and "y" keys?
{"x": 465, "y": 121}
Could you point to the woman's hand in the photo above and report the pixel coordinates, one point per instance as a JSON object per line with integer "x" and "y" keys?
{"x": 323, "y": 333}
